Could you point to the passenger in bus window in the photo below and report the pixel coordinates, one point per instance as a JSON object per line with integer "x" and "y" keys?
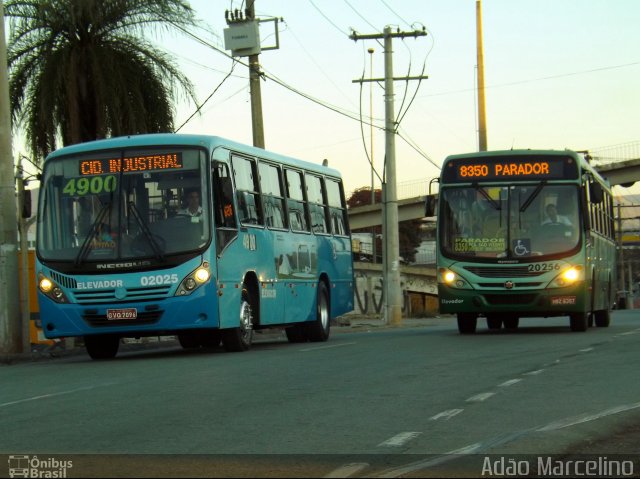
{"x": 552, "y": 216}
{"x": 193, "y": 207}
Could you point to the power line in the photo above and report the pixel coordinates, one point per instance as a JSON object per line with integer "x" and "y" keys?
{"x": 208, "y": 98}
{"x": 327, "y": 18}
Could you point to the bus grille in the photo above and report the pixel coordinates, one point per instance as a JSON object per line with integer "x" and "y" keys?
{"x": 64, "y": 281}
{"x": 132, "y": 294}
{"x": 144, "y": 317}
{"x": 502, "y": 271}
{"x": 509, "y": 299}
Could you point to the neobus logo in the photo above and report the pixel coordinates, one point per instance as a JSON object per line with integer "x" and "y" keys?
{"x": 128, "y": 264}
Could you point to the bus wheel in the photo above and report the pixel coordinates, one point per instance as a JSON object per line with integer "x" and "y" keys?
{"x": 296, "y": 334}
{"x": 579, "y": 321}
{"x": 467, "y": 323}
{"x": 494, "y": 323}
{"x": 240, "y": 338}
{"x": 102, "y": 347}
{"x": 512, "y": 322}
{"x": 319, "y": 329}
{"x": 603, "y": 318}
{"x": 188, "y": 340}
{"x": 209, "y": 338}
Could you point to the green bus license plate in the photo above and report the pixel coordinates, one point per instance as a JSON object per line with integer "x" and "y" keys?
{"x": 125, "y": 313}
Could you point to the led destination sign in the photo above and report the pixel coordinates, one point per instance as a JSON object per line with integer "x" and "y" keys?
{"x": 169, "y": 161}
{"x": 513, "y": 169}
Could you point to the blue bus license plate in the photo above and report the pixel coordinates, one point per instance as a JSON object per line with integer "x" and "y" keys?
{"x": 125, "y": 313}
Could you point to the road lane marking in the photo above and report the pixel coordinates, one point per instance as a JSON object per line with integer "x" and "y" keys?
{"x": 399, "y": 439}
{"x": 446, "y": 415}
{"x": 47, "y": 396}
{"x": 327, "y": 347}
{"x": 572, "y": 421}
{"x": 508, "y": 383}
{"x": 480, "y": 397}
{"x": 419, "y": 465}
{"x": 348, "y": 470}
{"x": 627, "y": 333}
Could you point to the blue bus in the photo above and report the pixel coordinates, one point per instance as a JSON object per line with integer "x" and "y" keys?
{"x": 192, "y": 236}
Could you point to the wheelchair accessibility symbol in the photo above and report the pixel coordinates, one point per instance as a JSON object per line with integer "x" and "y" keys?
{"x": 522, "y": 247}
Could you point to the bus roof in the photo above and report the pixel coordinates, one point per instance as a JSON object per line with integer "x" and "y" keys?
{"x": 173, "y": 139}
{"x": 522, "y": 152}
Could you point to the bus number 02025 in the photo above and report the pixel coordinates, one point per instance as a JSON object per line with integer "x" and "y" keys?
{"x": 159, "y": 279}
{"x": 537, "y": 267}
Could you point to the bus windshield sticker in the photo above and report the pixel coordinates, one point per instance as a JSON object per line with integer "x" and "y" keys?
{"x": 95, "y": 186}
{"x": 479, "y": 245}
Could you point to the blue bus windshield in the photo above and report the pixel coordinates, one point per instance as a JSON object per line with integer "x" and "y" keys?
{"x": 512, "y": 222}
{"x": 123, "y": 205}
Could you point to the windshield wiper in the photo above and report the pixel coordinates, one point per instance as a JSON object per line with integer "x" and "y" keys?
{"x": 532, "y": 196}
{"x": 147, "y": 232}
{"x": 84, "y": 249}
{"x": 492, "y": 202}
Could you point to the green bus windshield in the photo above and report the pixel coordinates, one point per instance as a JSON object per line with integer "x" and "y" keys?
{"x": 509, "y": 222}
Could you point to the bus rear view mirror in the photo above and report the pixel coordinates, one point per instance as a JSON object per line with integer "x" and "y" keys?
{"x": 26, "y": 204}
{"x": 596, "y": 193}
{"x": 431, "y": 205}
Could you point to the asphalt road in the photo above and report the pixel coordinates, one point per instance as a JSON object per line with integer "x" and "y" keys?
{"x": 413, "y": 401}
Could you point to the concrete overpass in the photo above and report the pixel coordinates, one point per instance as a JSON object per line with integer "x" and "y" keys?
{"x": 623, "y": 173}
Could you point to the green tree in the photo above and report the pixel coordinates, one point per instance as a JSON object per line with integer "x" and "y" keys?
{"x": 80, "y": 70}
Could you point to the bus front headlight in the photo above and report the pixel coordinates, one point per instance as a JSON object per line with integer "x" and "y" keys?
{"x": 568, "y": 277}
{"x": 452, "y": 279}
{"x": 194, "y": 280}
{"x": 51, "y": 290}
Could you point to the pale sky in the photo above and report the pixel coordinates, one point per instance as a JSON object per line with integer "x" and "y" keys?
{"x": 558, "y": 74}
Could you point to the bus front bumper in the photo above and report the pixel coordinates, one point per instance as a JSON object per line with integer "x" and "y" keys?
{"x": 548, "y": 302}
{"x": 166, "y": 316}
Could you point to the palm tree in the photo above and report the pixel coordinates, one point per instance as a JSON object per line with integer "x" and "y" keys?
{"x": 80, "y": 70}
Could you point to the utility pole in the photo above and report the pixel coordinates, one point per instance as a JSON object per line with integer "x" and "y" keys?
{"x": 482, "y": 117}
{"x": 10, "y": 327}
{"x": 391, "y": 245}
{"x": 243, "y": 39}
{"x": 255, "y": 89}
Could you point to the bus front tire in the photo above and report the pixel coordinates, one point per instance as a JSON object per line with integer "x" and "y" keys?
{"x": 102, "y": 347}
{"x": 467, "y": 323}
{"x": 512, "y": 322}
{"x": 603, "y": 318}
{"x": 579, "y": 321}
{"x": 188, "y": 340}
{"x": 296, "y": 334}
{"x": 239, "y": 338}
{"x": 318, "y": 330}
{"x": 494, "y": 323}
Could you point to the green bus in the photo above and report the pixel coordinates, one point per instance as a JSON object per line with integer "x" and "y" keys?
{"x": 524, "y": 233}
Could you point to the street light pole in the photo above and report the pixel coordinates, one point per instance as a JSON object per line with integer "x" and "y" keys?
{"x": 373, "y": 190}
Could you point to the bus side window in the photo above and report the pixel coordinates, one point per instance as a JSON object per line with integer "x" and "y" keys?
{"x": 272, "y": 195}
{"x": 223, "y": 196}
{"x": 296, "y": 201}
{"x": 317, "y": 204}
{"x": 245, "y": 174}
{"x": 336, "y": 202}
